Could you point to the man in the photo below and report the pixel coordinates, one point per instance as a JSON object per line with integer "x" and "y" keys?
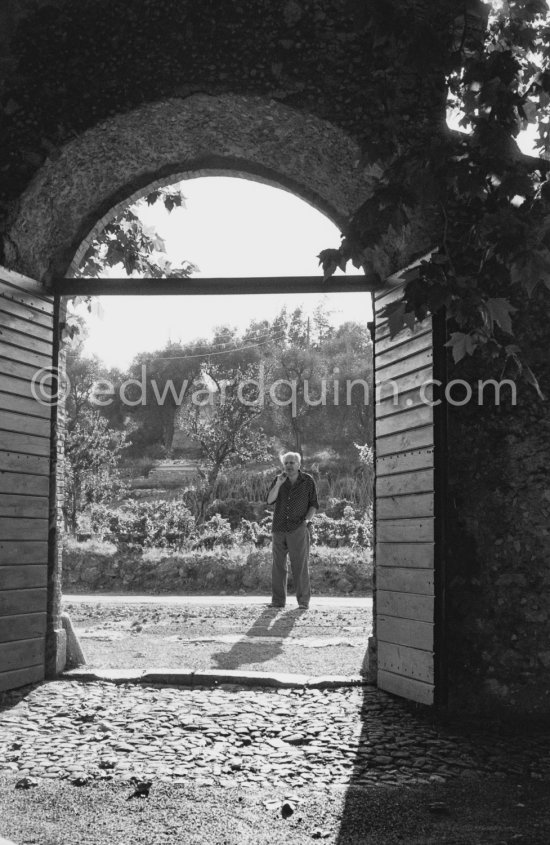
{"x": 294, "y": 495}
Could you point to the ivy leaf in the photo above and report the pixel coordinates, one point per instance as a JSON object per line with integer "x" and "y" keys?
{"x": 329, "y": 259}
{"x": 499, "y": 310}
{"x": 395, "y": 312}
{"x": 461, "y": 344}
{"x": 529, "y": 270}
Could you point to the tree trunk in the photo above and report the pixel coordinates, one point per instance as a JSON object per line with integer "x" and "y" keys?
{"x": 168, "y": 429}
{"x": 208, "y": 493}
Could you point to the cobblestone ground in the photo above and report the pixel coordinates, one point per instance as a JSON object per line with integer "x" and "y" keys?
{"x": 236, "y": 736}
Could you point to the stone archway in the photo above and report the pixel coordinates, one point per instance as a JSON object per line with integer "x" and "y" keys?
{"x": 121, "y": 159}
{"x": 79, "y": 191}
{"x": 117, "y": 160}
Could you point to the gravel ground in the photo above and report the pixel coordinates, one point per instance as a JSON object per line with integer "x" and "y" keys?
{"x": 56, "y": 813}
{"x": 323, "y": 640}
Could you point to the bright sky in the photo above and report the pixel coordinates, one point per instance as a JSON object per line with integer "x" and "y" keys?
{"x": 230, "y": 227}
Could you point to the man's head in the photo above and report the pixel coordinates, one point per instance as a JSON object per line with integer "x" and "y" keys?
{"x": 291, "y": 463}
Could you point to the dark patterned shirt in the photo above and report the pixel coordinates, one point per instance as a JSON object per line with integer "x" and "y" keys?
{"x": 293, "y": 502}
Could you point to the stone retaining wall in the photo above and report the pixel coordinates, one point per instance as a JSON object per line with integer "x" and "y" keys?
{"x": 91, "y": 568}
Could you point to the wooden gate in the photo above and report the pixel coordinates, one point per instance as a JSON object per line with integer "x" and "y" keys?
{"x": 26, "y": 344}
{"x": 406, "y": 505}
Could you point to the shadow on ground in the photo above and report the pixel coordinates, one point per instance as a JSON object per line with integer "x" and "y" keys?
{"x": 423, "y": 778}
{"x": 246, "y": 651}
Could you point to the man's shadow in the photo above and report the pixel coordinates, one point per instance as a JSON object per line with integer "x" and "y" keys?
{"x": 270, "y": 623}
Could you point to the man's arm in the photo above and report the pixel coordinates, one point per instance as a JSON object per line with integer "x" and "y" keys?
{"x": 313, "y": 502}
{"x": 274, "y": 489}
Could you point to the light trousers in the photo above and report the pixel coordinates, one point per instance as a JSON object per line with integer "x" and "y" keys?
{"x": 295, "y": 545}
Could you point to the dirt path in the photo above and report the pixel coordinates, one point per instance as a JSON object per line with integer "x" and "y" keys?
{"x": 203, "y": 633}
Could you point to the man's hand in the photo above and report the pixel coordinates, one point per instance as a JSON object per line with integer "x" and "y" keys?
{"x": 274, "y": 492}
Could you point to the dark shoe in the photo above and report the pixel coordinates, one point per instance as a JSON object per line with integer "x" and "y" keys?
{"x": 303, "y": 607}
{"x": 279, "y": 606}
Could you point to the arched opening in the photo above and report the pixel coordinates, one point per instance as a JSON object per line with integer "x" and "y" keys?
{"x": 195, "y": 136}
{"x": 318, "y": 343}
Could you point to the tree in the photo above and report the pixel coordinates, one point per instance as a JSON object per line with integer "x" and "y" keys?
{"x": 92, "y": 457}
{"x": 161, "y": 384}
{"x": 138, "y": 248}
{"x": 299, "y": 393}
{"x": 224, "y": 428}
{"x": 83, "y": 373}
{"x": 485, "y": 206}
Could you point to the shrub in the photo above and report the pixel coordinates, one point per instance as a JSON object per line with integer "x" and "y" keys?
{"x": 335, "y": 507}
{"x": 157, "y": 523}
{"x": 215, "y": 532}
{"x": 347, "y": 531}
{"x": 253, "y": 532}
{"x": 233, "y": 510}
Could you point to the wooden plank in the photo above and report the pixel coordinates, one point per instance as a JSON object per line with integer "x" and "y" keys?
{"x": 24, "y": 355}
{"x": 12, "y": 367}
{"x": 20, "y": 405}
{"x": 22, "y": 677}
{"x": 23, "y": 577}
{"x": 22, "y": 552}
{"x": 24, "y": 485}
{"x": 398, "y": 530}
{"x": 397, "y": 351}
{"x": 408, "y": 688}
{"x": 29, "y": 464}
{"x": 21, "y": 653}
{"x": 403, "y": 580}
{"x": 17, "y": 385}
{"x": 403, "y": 660}
{"x": 416, "y": 504}
{"x": 407, "y": 482}
{"x": 405, "y": 365}
{"x": 405, "y": 632}
{"x": 24, "y": 627}
{"x": 392, "y": 388}
{"x": 12, "y": 441}
{"x": 20, "y": 305}
{"x": 213, "y": 286}
{"x": 405, "y": 554}
{"x": 18, "y": 506}
{"x": 20, "y": 324}
{"x": 405, "y": 461}
{"x": 19, "y": 602}
{"x": 23, "y": 529}
{"x": 392, "y": 292}
{"x": 405, "y": 441}
{"x": 382, "y": 330}
{"x": 10, "y": 280}
{"x": 404, "y": 420}
{"x": 405, "y": 605}
{"x": 35, "y": 426}
{"x": 26, "y": 341}
{"x": 405, "y": 400}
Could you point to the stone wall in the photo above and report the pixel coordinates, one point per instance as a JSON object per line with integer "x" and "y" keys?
{"x": 73, "y": 66}
{"x": 89, "y": 568}
{"x": 498, "y": 542}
